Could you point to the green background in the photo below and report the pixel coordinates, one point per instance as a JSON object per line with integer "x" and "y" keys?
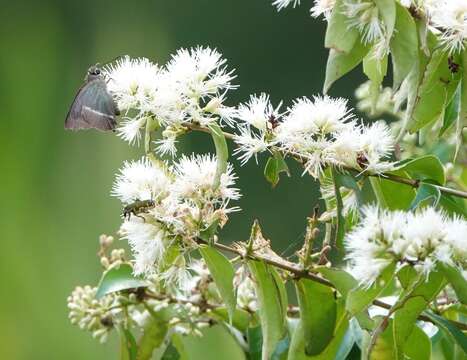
{"x": 55, "y": 185}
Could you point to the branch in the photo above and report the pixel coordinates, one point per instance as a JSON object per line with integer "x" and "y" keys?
{"x": 301, "y": 273}
{"x": 399, "y": 179}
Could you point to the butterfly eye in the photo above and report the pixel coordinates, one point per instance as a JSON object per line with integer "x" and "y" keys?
{"x": 97, "y": 72}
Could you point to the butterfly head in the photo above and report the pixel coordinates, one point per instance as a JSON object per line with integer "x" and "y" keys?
{"x": 94, "y": 72}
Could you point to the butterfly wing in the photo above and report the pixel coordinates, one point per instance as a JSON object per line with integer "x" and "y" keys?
{"x": 92, "y": 108}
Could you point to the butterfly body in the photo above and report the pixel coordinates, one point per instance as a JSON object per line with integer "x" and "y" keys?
{"x": 93, "y": 106}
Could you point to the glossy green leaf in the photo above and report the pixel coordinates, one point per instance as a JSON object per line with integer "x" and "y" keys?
{"x": 427, "y": 167}
{"x": 118, "y": 279}
{"x": 404, "y": 46}
{"x": 419, "y": 347}
{"x": 427, "y": 195}
{"x": 449, "y": 328}
{"x": 453, "y": 205}
{"x": 128, "y": 347}
{"x": 453, "y": 111}
{"x": 359, "y": 299}
{"x": 338, "y": 344}
{"x": 153, "y": 336}
{"x": 339, "y": 36}
{"x": 404, "y": 322}
{"x": 255, "y": 343}
{"x": 457, "y": 281}
{"x": 375, "y": 69}
{"x": 282, "y": 349}
{"x": 222, "y": 151}
{"x": 340, "y": 63}
{"x": 274, "y": 167}
{"x": 340, "y": 221}
{"x": 318, "y": 312}
{"x": 386, "y": 190}
{"x": 270, "y": 291}
{"x": 223, "y": 274}
{"x": 342, "y": 280}
{"x": 437, "y": 87}
{"x": 240, "y": 320}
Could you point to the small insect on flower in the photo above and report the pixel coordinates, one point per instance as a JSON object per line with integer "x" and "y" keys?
{"x": 453, "y": 66}
{"x": 93, "y": 106}
{"x": 136, "y": 208}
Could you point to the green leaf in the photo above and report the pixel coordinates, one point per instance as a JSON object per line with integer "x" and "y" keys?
{"x": 387, "y": 10}
{"x": 208, "y": 233}
{"x": 404, "y": 322}
{"x": 223, "y": 274}
{"x": 339, "y": 36}
{"x": 171, "y": 353}
{"x": 419, "y": 292}
{"x": 337, "y": 345}
{"x": 255, "y": 342}
{"x": 118, "y": 279}
{"x": 270, "y": 291}
{"x": 449, "y": 328}
{"x": 274, "y": 167}
{"x": 404, "y": 46}
{"x": 436, "y": 89}
{"x": 342, "y": 280}
{"x": 153, "y": 336}
{"x": 359, "y": 299}
{"x": 240, "y": 320}
{"x": 385, "y": 191}
{"x": 128, "y": 347}
{"x": 318, "y": 312}
{"x": 420, "y": 345}
{"x": 457, "y": 280}
{"x": 427, "y": 195}
{"x": 222, "y": 151}
{"x": 282, "y": 348}
{"x": 453, "y": 111}
{"x": 340, "y": 63}
{"x": 340, "y": 221}
{"x": 427, "y": 167}
{"x": 453, "y": 205}
{"x": 376, "y": 69}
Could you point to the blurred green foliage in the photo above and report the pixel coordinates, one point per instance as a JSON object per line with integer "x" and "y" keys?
{"x": 55, "y": 185}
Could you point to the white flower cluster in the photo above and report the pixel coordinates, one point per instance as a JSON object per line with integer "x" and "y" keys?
{"x": 421, "y": 239}
{"x": 91, "y": 314}
{"x": 320, "y": 7}
{"x": 190, "y": 88}
{"x": 171, "y": 205}
{"x": 449, "y": 17}
{"x": 322, "y": 132}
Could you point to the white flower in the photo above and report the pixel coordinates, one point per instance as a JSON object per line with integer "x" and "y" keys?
{"x": 132, "y": 82}
{"x": 140, "y": 180}
{"x": 90, "y": 313}
{"x": 365, "y": 16}
{"x": 166, "y": 146}
{"x": 200, "y": 72}
{"x": 249, "y": 144}
{"x": 148, "y": 242}
{"x": 194, "y": 179}
{"x": 420, "y": 239}
{"x": 130, "y": 129}
{"x": 258, "y": 112}
{"x": 322, "y": 7}
{"x": 450, "y": 18}
{"x": 282, "y": 4}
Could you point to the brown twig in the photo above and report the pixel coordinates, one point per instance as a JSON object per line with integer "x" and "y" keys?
{"x": 300, "y": 273}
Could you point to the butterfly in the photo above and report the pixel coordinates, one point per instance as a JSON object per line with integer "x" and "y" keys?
{"x": 93, "y": 106}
